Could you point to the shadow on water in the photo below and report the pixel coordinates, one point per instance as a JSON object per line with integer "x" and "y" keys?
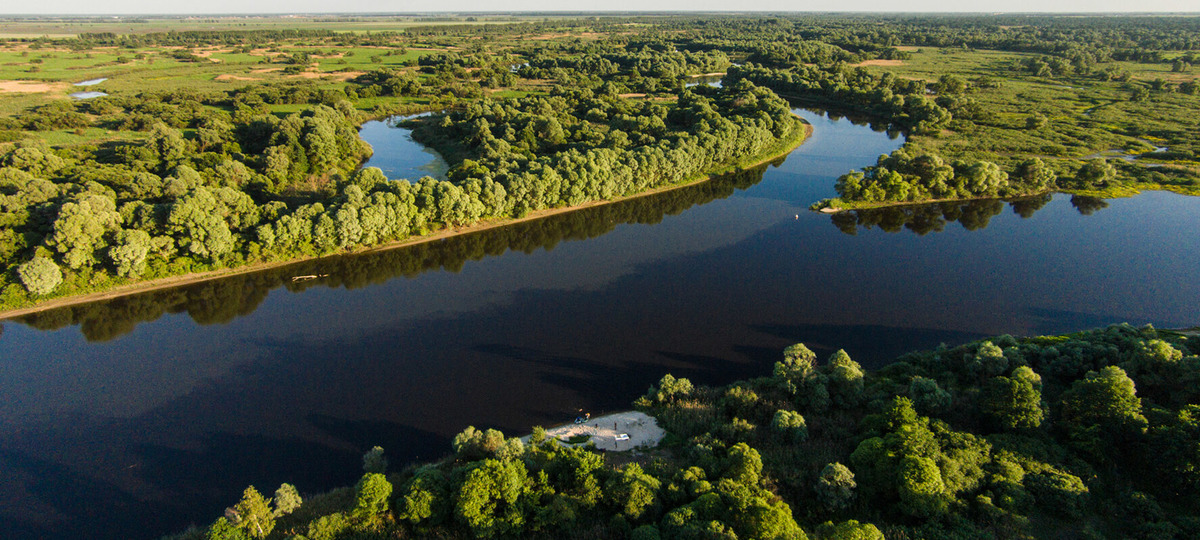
{"x": 166, "y": 427}
{"x": 973, "y": 215}
{"x": 75, "y": 505}
{"x": 71, "y": 505}
{"x": 1055, "y": 321}
{"x": 223, "y": 300}
{"x": 569, "y": 371}
{"x": 835, "y": 115}
{"x": 873, "y": 346}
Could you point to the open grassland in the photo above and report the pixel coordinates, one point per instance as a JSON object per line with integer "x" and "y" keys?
{"x": 37, "y": 72}
{"x": 32, "y": 28}
{"x": 268, "y": 113}
{"x": 1084, "y": 117}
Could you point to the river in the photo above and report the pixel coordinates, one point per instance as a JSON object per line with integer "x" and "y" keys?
{"x": 134, "y": 417}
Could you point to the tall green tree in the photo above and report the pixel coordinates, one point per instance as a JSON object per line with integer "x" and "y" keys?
{"x": 1016, "y": 402}
{"x": 489, "y": 500}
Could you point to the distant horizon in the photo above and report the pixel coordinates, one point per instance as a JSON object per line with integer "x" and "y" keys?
{"x": 235, "y": 8}
{"x": 535, "y": 12}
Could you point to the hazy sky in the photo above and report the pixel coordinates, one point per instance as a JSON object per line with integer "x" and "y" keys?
{"x": 368, "y": 6}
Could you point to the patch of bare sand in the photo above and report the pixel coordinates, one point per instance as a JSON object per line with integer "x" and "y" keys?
{"x": 31, "y": 87}
{"x": 613, "y": 432}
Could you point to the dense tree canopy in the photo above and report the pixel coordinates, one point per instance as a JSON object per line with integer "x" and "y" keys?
{"x": 1118, "y": 458}
{"x": 594, "y": 109}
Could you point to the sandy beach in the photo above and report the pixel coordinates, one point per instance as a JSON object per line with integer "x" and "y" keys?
{"x": 609, "y": 432}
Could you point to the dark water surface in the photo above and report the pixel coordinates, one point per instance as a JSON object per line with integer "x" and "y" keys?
{"x": 134, "y": 417}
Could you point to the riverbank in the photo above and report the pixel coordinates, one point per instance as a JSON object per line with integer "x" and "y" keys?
{"x": 835, "y": 206}
{"x": 801, "y": 132}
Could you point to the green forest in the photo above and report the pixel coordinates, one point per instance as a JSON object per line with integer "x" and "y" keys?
{"x": 222, "y": 179}
{"x": 237, "y": 146}
{"x": 1088, "y": 435}
{"x": 218, "y": 146}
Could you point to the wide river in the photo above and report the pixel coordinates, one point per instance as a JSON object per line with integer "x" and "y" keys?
{"x": 138, "y": 416}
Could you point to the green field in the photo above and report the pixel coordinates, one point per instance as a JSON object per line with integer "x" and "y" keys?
{"x": 233, "y": 143}
{"x": 977, "y": 104}
{"x": 33, "y": 28}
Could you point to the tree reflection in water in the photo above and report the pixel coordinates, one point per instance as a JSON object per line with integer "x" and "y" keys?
{"x": 973, "y": 215}
{"x": 220, "y": 301}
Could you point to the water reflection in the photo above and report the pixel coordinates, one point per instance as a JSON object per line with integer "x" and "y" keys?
{"x": 223, "y": 300}
{"x": 397, "y": 154}
{"x": 713, "y": 81}
{"x": 167, "y": 424}
{"x": 857, "y": 119}
{"x": 923, "y": 219}
{"x": 1088, "y": 205}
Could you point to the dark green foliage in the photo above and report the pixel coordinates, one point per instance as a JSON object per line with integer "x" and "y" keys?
{"x": 1014, "y": 403}
{"x": 488, "y": 502}
{"x": 669, "y": 389}
{"x": 845, "y": 380}
{"x": 286, "y": 500}
{"x": 1093, "y": 434}
{"x": 374, "y": 461}
{"x": 222, "y": 529}
{"x": 899, "y": 178}
{"x": 1058, "y": 491}
{"x": 835, "y": 487}
{"x": 1111, "y": 464}
{"x": 426, "y": 499}
{"x": 1174, "y": 446}
{"x": 927, "y": 396}
{"x": 898, "y": 101}
{"x": 252, "y": 514}
{"x": 208, "y": 188}
{"x": 372, "y": 495}
{"x": 633, "y": 493}
{"x": 790, "y": 425}
{"x": 849, "y": 530}
{"x": 573, "y": 138}
{"x": 1102, "y": 409}
{"x": 40, "y": 275}
{"x": 645, "y": 532}
{"x": 1095, "y": 173}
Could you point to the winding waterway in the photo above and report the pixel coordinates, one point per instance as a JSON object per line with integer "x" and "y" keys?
{"x": 137, "y": 416}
